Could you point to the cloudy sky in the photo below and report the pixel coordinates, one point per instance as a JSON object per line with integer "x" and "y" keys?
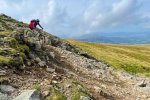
{"x": 76, "y": 17}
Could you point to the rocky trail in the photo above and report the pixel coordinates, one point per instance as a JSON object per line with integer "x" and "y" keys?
{"x": 104, "y": 80}
{"x": 56, "y": 70}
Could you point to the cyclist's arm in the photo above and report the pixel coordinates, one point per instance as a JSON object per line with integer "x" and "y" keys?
{"x": 40, "y": 25}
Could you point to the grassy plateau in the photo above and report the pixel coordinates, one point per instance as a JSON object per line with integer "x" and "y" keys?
{"x": 134, "y": 59}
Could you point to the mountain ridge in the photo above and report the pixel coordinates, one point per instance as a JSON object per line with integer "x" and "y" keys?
{"x": 117, "y": 37}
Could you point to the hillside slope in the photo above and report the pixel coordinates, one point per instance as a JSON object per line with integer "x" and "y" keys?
{"x": 132, "y": 58}
{"x": 57, "y": 70}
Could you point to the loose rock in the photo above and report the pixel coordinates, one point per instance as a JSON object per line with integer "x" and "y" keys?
{"x": 42, "y": 63}
{"x": 29, "y": 95}
{"x": 84, "y": 98}
{"x": 6, "y": 89}
{"x": 51, "y": 70}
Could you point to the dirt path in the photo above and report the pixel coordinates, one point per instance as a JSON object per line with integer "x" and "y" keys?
{"x": 103, "y": 81}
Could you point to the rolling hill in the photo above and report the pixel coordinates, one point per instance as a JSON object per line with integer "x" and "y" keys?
{"x": 132, "y": 58}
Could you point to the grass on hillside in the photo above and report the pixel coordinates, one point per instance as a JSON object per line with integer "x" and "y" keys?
{"x": 132, "y": 58}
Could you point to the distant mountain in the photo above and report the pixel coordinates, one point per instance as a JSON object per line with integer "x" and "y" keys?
{"x": 117, "y": 38}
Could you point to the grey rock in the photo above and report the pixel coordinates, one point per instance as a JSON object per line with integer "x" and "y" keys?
{"x": 51, "y": 70}
{"x": 29, "y": 63}
{"x": 37, "y": 46}
{"x": 29, "y": 95}
{"x": 52, "y": 54}
{"x": 46, "y": 93}
{"x": 42, "y": 63}
{"x": 37, "y": 59}
{"x": 84, "y": 98}
{"x": 2, "y": 73}
{"x": 47, "y": 58}
{"x": 6, "y": 88}
{"x": 144, "y": 89}
{"x": 4, "y": 96}
{"x": 31, "y": 55}
{"x": 141, "y": 83}
{"x": 22, "y": 67}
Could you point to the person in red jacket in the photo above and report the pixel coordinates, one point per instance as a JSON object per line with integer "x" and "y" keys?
{"x": 34, "y": 23}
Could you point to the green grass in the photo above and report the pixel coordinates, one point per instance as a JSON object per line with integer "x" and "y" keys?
{"x": 37, "y": 87}
{"x": 77, "y": 91}
{"x": 55, "y": 95}
{"x": 134, "y": 59}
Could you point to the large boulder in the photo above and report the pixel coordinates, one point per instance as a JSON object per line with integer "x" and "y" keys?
{"x": 29, "y": 95}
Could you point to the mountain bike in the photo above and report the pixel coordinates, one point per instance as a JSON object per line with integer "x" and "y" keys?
{"x": 37, "y": 33}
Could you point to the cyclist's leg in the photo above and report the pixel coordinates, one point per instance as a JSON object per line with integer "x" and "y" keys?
{"x": 33, "y": 29}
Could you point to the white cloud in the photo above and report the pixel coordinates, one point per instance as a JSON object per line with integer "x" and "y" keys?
{"x": 146, "y": 15}
{"x": 117, "y": 13}
{"x": 92, "y": 16}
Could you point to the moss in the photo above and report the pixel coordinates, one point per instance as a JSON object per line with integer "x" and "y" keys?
{"x": 5, "y": 26}
{"x": 55, "y": 95}
{"x": 23, "y": 48}
{"x": 4, "y": 34}
{"x": 37, "y": 87}
{"x": 7, "y": 18}
{"x": 12, "y": 59}
{"x": 17, "y": 62}
{"x": 22, "y": 55}
{"x": 78, "y": 94}
{"x": 7, "y": 51}
{"x": 11, "y": 20}
{"x": 21, "y": 24}
{"x": 5, "y": 60}
{"x": 12, "y": 42}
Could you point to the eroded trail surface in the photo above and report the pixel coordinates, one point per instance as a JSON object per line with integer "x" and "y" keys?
{"x": 103, "y": 81}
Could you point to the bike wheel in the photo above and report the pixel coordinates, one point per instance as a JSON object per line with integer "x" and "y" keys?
{"x": 28, "y": 33}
